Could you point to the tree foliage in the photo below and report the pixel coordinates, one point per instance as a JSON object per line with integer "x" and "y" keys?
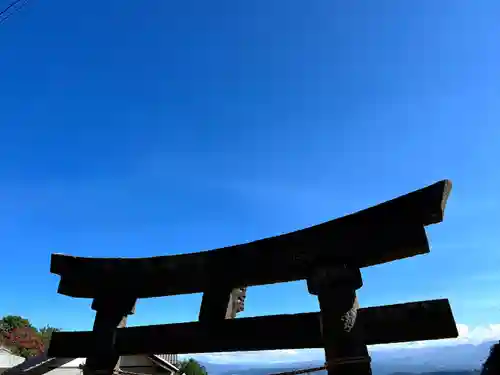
{"x": 191, "y": 367}
{"x": 46, "y": 334}
{"x": 22, "y": 338}
{"x": 10, "y": 322}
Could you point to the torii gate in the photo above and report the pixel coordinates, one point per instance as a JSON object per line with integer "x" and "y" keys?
{"x": 328, "y": 256}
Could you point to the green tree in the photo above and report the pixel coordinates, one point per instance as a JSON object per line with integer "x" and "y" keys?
{"x": 19, "y": 335}
{"x": 22, "y": 338}
{"x": 10, "y": 322}
{"x": 46, "y": 334}
{"x": 191, "y": 367}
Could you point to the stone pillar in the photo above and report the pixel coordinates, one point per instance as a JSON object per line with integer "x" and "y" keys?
{"x": 236, "y": 302}
{"x": 345, "y": 350}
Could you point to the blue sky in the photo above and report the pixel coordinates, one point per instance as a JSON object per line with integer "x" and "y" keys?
{"x": 134, "y": 128}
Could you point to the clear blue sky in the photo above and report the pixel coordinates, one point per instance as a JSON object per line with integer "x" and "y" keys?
{"x": 140, "y": 128}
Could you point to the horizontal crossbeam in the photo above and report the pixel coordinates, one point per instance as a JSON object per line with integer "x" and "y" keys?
{"x": 425, "y": 320}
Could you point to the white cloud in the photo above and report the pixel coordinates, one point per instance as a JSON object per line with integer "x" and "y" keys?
{"x": 467, "y": 335}
{"x": 266, "y": 356}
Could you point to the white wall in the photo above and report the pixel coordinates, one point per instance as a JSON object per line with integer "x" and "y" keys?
{"x": 8, "y": 360}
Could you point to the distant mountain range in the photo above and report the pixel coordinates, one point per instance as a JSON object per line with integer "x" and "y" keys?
{"x": 463, "y": 359}
{"x": 476, "y": 372}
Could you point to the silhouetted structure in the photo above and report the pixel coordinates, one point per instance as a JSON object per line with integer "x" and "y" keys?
{"x": 329, "y": 256}
{"x": 492, "y": 364}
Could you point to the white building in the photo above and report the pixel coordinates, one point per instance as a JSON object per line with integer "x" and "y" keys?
{"x": 8, "y": 360}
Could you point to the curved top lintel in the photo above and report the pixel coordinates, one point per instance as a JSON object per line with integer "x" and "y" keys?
{"x": 389, "y": 231}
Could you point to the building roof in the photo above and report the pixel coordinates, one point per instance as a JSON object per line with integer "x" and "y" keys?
{"x": 42, "y": 364}
{"x": 163, "y": 363}
{"x": 37, "y": 365}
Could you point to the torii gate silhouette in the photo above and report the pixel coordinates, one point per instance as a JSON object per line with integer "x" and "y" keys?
{"x": 328, "y": 256}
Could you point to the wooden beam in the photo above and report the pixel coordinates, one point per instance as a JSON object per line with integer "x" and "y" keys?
{"x": 111, "y": 315}
{"x": 216, "y": 300}
{"x": 425, "y": 320}
{"x": 256, "y": 266}
{"x": 214, "y": 305}
{"x": 389, "y": 231}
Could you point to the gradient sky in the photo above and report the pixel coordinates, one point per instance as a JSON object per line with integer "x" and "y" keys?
{"x": 140, "y": 128}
